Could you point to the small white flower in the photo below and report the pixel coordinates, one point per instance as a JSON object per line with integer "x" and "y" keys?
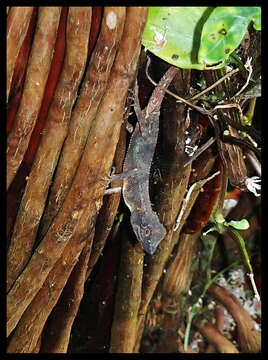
{"x": 251, "y": 184}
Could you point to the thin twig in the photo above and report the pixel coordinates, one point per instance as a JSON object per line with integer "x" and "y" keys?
{"x": 200, "y": 150}
{"x": 189, "y": 103}
{"x": 248, "y": 67}
{"x": 228, "y": 106}
{"x": 226, "y": 76}
{"x": 198, "y": 108}
{"x": 186, "y": 200}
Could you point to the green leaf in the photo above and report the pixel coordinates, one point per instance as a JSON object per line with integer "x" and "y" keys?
{"x": 224, "y": 31}
{"x": 173, "y": 34}
{"x": 257, "y": 20}
{"x": 195, "y": 307}
{"x": 239, "y": 225}
{"x": 243, "y": 248}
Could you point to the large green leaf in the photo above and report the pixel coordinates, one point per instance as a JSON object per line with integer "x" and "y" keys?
{"x": 197, "y": 37}
{"x": 173, "y": 34}
{"x": 224, "y": 30}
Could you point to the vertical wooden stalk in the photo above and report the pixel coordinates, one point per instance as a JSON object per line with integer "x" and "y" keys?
{"x": 36, "y": 77}
{"x": 19, "y": 74}
{"x": 78, "y": 214}
{"x": 19, "y": 182}
{"x": 83, "y": 115}
{"x": 55, "y": 130}
{"x": 17, "y": 24}
{"x": 128, "y": 296}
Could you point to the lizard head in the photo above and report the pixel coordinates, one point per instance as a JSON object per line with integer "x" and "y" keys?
{"x": 148, "y": 230}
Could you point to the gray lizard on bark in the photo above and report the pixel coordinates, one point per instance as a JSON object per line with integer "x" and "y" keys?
{"x": 145, "y": 223}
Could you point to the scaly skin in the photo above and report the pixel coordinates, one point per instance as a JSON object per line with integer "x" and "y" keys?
{"x": 145, "y": 223}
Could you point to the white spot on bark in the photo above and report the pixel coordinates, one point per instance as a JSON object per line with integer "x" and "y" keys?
{"x": 111, "y": 20}
{"x": 76, "y": 214}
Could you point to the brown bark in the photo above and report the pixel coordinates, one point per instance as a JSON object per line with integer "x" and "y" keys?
{"x": 53, "y": 261}
{"x": 19, "y": 73}
{"x": 36, "y": 77}
{"x": 110, "y": 205}
{"x": 32, "y": 322}
{"x": 17, "y": 24}
{"x": 56, "y": 335}
{"x": 78, "y": 213}
{"x": 83, "y": 116}
{"x": 215, "y": 337}
{"x": 219, "y": 324}
{"x": 54, "y": 133}
{"x": 249, "y": 338}
{"x": 128, "y": 297}
{"x": 169, "y": 203}
{"x": 19, "y": 182}
{"x": 178, "y": 273}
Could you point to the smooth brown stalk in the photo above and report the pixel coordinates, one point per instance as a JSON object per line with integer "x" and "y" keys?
{"x": 78, "y": 214}
{"x": 97, "y": 14}
{"x": 109, "y": 208}
{"x": 219, "y": 324}
{"x": 168, "y": 340}
{"x": 249, "y": 338}
{"x": 37, "y": 346}
{"x": 215, "y": 337}
{"x": 36, "y": 77}
{"x": 232, "y": 158}
{"x": 128, "y": 297}
{"x": 19, "y": 182}
{"x": 66, "y": 224}
{"x": 155, "y": 266}
{"x": 84, "y": 113}
{"x": 171, "y": 196}
{"x": 205, "y": 203}
{"x": 32, "y": 322}
{"x": 52, "y": 81}
{"x": 177, "y": 275}
{"x": 19, "y": 74}
{"x": 56, "y": 335}
{"x": 175, "y": 282}
{"x": 54, "y": 133}
{"x": 17, "y": 24}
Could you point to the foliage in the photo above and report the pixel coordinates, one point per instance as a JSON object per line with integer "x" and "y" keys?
{"x": 197, "y": 37}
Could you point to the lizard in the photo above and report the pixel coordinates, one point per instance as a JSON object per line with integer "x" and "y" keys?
{"x": 145, "y": 223}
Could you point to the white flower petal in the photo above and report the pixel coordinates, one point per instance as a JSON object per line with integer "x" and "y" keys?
{"x": 252, "y": 186}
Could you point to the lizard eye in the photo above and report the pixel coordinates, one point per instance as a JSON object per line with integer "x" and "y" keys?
{"x": 147, "y": 231}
